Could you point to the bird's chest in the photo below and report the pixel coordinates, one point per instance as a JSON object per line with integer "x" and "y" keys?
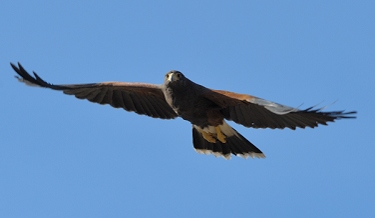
{"x": 183, "y": 100}
{"x": 190, "y": 105}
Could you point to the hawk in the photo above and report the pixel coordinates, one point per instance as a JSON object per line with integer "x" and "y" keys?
{"x": 206, "y": 109}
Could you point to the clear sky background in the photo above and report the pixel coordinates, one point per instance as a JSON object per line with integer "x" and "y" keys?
{"x": 63, "y": 157}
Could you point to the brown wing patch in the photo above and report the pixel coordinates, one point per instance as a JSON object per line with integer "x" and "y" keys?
{"x": 233, "y": 95}
{"x": 226, "y": 98}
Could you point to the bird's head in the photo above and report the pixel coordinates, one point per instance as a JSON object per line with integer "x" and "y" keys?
{"x": 174, "y": 76}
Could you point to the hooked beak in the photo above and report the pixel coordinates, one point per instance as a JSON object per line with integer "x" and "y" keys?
{"x": 171, "y": 77}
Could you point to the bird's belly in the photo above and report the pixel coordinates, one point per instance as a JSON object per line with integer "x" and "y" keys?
{"x": 195, "y": 109}
{"x": 201, "y": 116}
{"x": 195, "y": 118}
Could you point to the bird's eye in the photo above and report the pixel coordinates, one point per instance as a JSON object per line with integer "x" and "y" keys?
{"x": 178, "y": 75}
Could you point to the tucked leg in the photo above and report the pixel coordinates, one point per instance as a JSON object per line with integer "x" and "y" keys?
{"x": 208, "y": 136}
{"x": 219, "y": 135}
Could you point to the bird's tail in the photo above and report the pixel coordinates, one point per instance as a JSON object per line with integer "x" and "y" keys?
{"x": 223, "y": 141}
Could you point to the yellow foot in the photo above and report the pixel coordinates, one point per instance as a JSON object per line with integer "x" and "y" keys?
{"x": 208, "y": 136}
{"x": 220, "y": 135}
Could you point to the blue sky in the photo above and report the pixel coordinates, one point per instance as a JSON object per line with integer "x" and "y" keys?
{"x": 63, "y": 157}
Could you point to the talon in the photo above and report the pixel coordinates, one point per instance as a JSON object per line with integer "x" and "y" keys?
{"x": 220, "y": 135}
{"x": 208, "y": 137}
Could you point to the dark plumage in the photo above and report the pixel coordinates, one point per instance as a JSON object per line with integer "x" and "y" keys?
{"x": 205, "y": 108}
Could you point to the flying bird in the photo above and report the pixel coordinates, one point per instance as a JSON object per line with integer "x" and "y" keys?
{"x": 206, "y": 109}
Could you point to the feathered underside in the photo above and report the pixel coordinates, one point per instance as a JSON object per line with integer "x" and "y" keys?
{"x": 201, "y": 104}
{"x": 148, "y": 99}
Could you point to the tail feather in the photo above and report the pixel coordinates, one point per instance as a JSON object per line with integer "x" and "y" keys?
{"x": 235, "y": 144}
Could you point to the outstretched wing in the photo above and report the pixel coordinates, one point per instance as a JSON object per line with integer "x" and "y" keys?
{"x": 251, "y": 111}
{"x": 142, "y": 98}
